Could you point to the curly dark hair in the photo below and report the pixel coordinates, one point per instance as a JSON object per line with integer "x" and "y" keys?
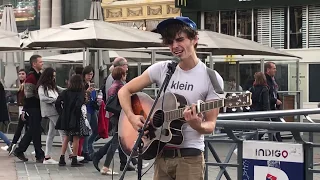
{"x": 47, "y": 80}
{"x": 170, "y": 32}
{"x": 87, "y": 70}
{"x": 76, "y": 83}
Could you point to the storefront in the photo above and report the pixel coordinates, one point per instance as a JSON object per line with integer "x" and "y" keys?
{"x": 289, "y": 25}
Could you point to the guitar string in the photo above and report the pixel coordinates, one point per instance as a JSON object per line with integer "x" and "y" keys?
{"x": 157, "y": 115}
{"x": 162, "y": 107}
{"x": 204, "y": 104}
{"x": 202, "y": 108}
{"x": 220, "y": 98}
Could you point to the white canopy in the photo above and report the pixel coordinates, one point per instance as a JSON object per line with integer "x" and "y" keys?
{"x": 94, "y": 34}
{"x": 131, "y": 57}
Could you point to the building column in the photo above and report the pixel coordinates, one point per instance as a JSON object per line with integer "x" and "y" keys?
{"x": 45, "y": 14}
{"x": 56, "y": 13}
{"x": 202, "y": 21}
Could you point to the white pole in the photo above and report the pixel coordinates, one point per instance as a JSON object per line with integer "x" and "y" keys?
{"x": 56, "y": 13}
{"x": 45, "y": 14}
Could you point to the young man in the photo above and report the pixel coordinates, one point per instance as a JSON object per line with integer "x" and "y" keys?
{"x": 32, "y": 112}
{"x": 22, "y": 123}
{"x": 185, "y": 161}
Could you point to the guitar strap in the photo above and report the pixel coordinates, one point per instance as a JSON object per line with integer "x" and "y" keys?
{"x": 214, "y": 81}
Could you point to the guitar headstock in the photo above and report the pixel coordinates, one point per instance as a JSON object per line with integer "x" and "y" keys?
{"x": 238, "y": 100}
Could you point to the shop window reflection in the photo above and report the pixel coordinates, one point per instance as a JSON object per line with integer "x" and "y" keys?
{"x": 63, "y": 73}
{"x": 295, "y": 27}
{"x": 212, "y": 21}
{"x": 247, "y": 72}
{"x": 282, "y": 71}
{"x": 255, "y": 25}
{"x": 228, "y": 22}
{"x": 244, "y": 24}
{"x": 133, "y": 71}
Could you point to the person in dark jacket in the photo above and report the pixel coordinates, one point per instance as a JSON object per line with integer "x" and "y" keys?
{"x": 3, "y": 105}
{"x": 31, "y": 108}
{"x": 70, "y": 106}
{"x": 92, "y": 113}
{"x": 270, "y": 72}
{"x": 4, "y": 116}
{"x": 119, "y": 76}
{"x": 260, "y": 93}
{"x": 260, "y": 99}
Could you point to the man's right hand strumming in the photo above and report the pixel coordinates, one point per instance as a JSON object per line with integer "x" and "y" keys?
{"x": 124, "y": 95}
{"x": 137, "y": 121}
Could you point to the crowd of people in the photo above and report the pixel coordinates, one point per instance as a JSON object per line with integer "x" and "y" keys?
{"x": 78, "y": 111}
{"x": 72, "y": 111}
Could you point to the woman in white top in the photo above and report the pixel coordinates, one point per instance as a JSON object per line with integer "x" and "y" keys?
{"x": 48, "y": 94}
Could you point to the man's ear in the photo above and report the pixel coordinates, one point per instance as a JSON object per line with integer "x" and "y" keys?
{"x": 195, "y": 40}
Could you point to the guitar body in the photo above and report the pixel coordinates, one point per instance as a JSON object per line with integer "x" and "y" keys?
{"x": 165, "y": 127}
{"x": 161, "y": 132}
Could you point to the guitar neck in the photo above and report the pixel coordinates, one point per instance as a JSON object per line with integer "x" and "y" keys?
{"x": 205, "y": 106}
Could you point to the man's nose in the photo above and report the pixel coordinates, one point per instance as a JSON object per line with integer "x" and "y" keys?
{"x": 174, "y": 44}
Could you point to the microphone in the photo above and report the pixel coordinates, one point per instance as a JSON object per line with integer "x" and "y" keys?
{"x": 174, "y": 62}
{"x": 176, "y": 59}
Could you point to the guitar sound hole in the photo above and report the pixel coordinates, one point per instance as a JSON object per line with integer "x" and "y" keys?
{"x": 157, "y": 120}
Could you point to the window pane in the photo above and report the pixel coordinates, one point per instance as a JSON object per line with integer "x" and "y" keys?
{"x": 212, "y": 21}
{"x": 295, "y": 27}
{"x": 227, "y": 22}
{"x": 255, "y": 25}
{"x": 63, "y": 74}
{"x": 132, "y": 72}
{"x": 247, "y": 72}
{"x": 244, "y": 23}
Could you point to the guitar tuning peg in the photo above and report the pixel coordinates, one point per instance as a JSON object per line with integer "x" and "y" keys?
{"x": 234, "y": 94}
{"x": 247, "y": 108}
{"x": 234, "y": 109}
{"x": 241, "y": 108}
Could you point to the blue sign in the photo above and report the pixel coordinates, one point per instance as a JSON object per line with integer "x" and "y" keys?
{"x": 263, "y": 160}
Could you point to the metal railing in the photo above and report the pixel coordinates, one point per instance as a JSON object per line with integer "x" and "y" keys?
{"x": 241, "y": 121}
{"x": 153, "y": 91}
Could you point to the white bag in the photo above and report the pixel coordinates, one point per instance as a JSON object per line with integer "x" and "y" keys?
{"x": 84, "y": 115}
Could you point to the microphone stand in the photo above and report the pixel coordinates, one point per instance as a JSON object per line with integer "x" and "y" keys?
{"x": 139, "y": 143}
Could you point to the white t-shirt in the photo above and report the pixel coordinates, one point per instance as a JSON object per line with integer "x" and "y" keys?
{"x": 194, "y": 85}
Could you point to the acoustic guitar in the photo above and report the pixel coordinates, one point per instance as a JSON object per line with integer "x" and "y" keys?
{"x": 165, "y": 126}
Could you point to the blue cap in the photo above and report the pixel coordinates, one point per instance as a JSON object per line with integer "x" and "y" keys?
{"x": 184, "y": 20}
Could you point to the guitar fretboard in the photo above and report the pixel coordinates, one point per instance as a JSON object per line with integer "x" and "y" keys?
{"x": 205, "y": 106}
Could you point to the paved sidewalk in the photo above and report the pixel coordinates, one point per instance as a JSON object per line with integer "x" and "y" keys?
{"x": 12, "y": 168}
{"x": 7, "y": 167}
{"x": 38, "y": 171}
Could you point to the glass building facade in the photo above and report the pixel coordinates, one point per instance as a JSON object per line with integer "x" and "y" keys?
{"x": 292, "y": 26}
